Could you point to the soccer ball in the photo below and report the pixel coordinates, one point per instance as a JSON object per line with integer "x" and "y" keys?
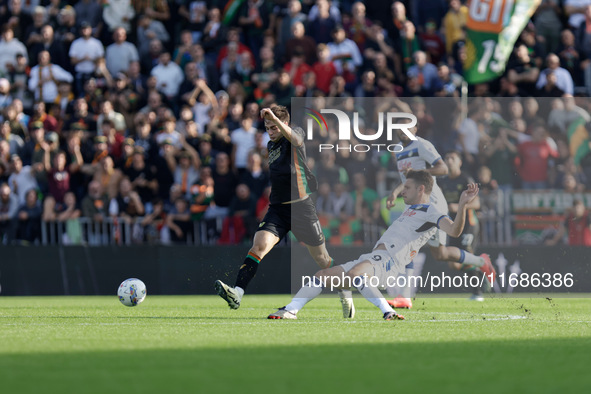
{"x": 131, "y": 292}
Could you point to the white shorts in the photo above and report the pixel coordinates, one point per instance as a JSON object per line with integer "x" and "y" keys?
{"x": 383, "y": 265}
{"x": 439, "y": 238}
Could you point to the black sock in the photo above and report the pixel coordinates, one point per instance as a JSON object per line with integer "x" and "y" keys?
{"x": 247, "y": 271}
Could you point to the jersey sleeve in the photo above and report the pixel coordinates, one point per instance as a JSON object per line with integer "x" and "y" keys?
{"x": 428, "y": 152}
{"x": 435, "y": 216}
{"x": 299, "y": 131}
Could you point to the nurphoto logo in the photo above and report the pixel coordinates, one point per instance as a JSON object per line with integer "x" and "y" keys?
{"x": 393, "y": 121}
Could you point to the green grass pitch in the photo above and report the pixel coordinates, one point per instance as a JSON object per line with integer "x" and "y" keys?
{"x": 195, "y": 344}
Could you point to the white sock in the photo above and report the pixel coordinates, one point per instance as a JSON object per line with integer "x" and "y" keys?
{"x": 304, "y": 295}
{"x": 406, "y": 290}
{"x": 240, "y": 291}
{"x": 471, "y": 259}
{"x": 373, "y": 295}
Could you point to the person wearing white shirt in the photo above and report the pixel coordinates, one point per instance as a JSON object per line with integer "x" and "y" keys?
{"x": 9, "y": 48}
{"x": 564, "y": 81}
{"x": 244, "y": 142}
{"x": 44, "y": 77}
{"x": 169, "y": 76}
{"x": 575, "y": 9}
{"x": 84, "y": 53}
{"x": 22, "y": 179}
{"x": 118, "y": 13}
{"x": 344, "y": 52}
{"x": 121, "y": 53}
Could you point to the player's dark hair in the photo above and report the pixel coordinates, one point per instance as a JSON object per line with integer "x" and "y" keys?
{"x": 281, "y": 112}
{"x": 422, "y": 177}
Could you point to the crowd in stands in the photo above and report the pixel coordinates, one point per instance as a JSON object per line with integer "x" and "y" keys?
{"x": 147, "y": 111}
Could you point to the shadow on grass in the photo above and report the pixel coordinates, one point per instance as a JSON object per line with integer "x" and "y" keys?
{"x": 530, "y": 366}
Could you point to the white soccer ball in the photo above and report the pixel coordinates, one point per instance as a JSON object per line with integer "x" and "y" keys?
{"x": 132, "y": 292}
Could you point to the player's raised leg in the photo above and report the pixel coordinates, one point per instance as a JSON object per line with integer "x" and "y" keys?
{"x": 262, "y": 244}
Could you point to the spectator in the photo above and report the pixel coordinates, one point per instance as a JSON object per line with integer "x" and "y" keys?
{"x": 523, "y": 71}
{"x": 564, "y": 81}
{"x": 560, "y": 118}
{"x": 169, "y": 133}
{"x": 345, "y": 54}
{"x": 241, "y": 216}
{"x": 149, "y": 30}
{"x": 157, "y": 9}
{"x": 90, "y": 11}
{"x": 300, "y": 42}
{"x": 214, "y": 33}
{"x": 233, "y": 38}
{"x": 569, "y": 56}
{"x": 187, "y": 170}
{"x": 169, "y": 77}
{"x": 454, "y": 24}
{"x": 23, "y": 178}
{"x": 9, "y": 48}
{"x": 33, "y": 31}
{"x": 59, "y": 177}
{"x": 60, "y": 212}
{"x": 95, "y": 204}
{"x": 15, "y": 142}
{"x": 432, "y": 42}
{"x": 108, "y": 113}
{"x": 253, "y": 18}
{"x": 143, "y": 177}
{"x": 364, "y": 197}
{"x": 297, "y": 68}
{"x": 548, "y": 24}
{"x": 323, "y": 21}
{"x": 17, "y": 18}
{"x": 533, "y": 160}
{"x": 179, "y": 221}
{"x": 294, "y": 15}
{"x": 84, "y": 53}
{"x": 225, "y": 182}
{"x": 53, "y": 46}
{"x": 576, "y": 225}
{"x": 29, "y": 219}
{"x": 5, "y": 95}
{"x": 9, "y": 206}
{"x": 426, "y": 73}
{"x": 283, "y": 90}
{"x": 121, "y": 53}
{"x": 45, "y": 77}
{"x": 118, "y": 14}
{"x": 575, "y": 10}
{"x": 469, "y": 139}
{"x": 66, "y": 29}
{"x": 255, "y": 177}
{"x": 127, "y": 205}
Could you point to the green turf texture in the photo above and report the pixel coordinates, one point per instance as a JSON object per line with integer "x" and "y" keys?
{"x": 196, "y": 344}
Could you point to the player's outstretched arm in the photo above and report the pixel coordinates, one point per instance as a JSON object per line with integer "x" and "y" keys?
{"x": 294, "y": 138}
{"x": 391, "y": 201}
{"x": 456, "y": 227}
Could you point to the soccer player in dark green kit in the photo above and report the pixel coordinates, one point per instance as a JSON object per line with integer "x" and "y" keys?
{"x": 290, "y": 207}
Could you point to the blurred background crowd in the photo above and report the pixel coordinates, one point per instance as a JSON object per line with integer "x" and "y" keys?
{"x": 135, "y": 121}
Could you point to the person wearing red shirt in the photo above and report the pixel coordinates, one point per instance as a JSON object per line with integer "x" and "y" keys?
{"x": 324, "y": 69}
{"x": 233, "y": 36}
{"x": 297, "y": 67}
{"x": 533, "y": 158}
{"x": 577, "y": 224}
